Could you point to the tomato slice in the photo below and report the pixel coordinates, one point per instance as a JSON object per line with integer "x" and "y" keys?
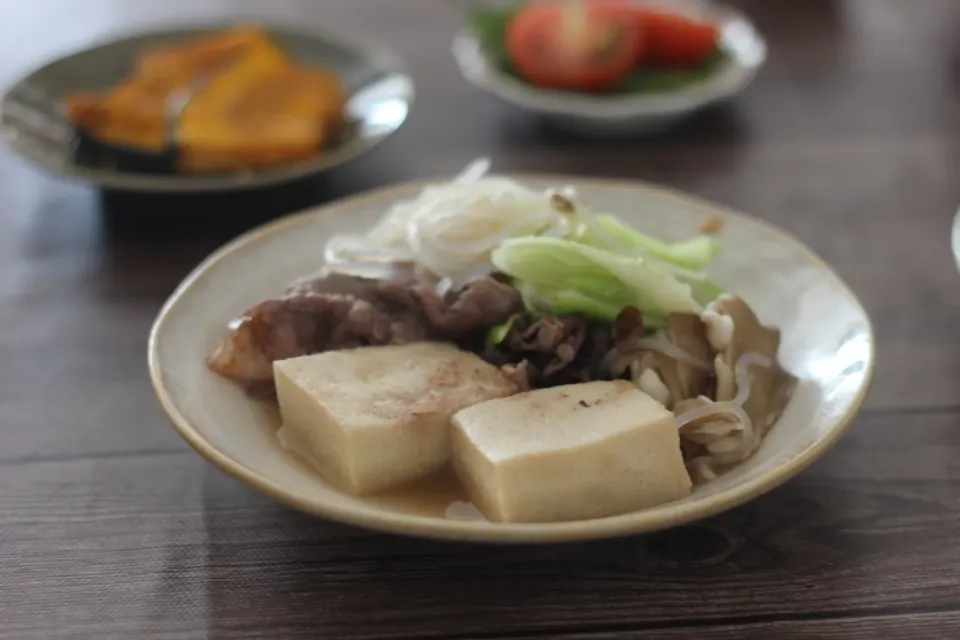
{"x": 673, "y": 40}
{"x": 584, "y": 46}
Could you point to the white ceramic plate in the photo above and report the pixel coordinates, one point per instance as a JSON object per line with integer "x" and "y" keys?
{"x": 955, "y": 238}
{"x": 624, "y": 114}
{"x": 827, "y": 343}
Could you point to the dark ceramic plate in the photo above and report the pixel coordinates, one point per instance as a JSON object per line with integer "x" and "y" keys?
{"x": 33, "y": 122}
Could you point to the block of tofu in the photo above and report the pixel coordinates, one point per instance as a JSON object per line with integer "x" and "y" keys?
{"x": 374, "y": 417}
{"x": 569, "y": 453}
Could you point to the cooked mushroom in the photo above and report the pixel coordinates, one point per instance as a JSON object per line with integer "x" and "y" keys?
{"x": 627, "y": 328}
{"x": 771, "y": 385}
{"x": 726, "y": 381}
{"x": 650, "y": 382}
{"x": 712, "y": 440}
{"x": 685, "y": 378}
{"x": 707, "y": 429}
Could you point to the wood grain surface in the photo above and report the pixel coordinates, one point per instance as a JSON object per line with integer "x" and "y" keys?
{"x": 111, "y": 527}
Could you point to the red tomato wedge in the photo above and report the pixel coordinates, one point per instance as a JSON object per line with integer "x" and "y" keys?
{"x": 674, "y": 40}
{"x": 585, "y": 46}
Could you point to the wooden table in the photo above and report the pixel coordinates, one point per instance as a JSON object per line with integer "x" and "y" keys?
{"x": 113, "y": 528}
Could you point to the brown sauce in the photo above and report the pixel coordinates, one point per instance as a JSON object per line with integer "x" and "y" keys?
{"x": 439, "y": 495}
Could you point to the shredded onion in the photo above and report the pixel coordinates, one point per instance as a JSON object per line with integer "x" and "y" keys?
{"x": 474, "y": 171}
{"x": 450, "y": 230}
{"x": 446, "y": 285}
{"x": 354, "y": 248}
{"x": 616, "y": 361}
{"x": 369, "y": 270}
{"x": 716, "y": 409}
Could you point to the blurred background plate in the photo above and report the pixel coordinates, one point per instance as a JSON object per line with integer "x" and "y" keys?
{"x": 623, "y": 113}
{"x": 33, "y": 122}
{"x": 955, "y": 238}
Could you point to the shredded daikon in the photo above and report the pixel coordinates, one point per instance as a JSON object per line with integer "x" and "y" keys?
{"x": 450, "y": 230}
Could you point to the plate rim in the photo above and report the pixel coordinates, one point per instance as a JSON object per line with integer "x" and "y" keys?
{"x": 365, "y": 46}
{"x": 955, "y": 237}
{"x": 475, "y": 67}
{"x": 633, "y": 523}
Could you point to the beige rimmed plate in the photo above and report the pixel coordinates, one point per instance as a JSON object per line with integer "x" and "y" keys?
{"x": 827, "y": 343}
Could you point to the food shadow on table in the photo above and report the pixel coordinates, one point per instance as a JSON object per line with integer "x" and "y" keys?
{"x": 297, "y": 562}
{"x": 721, "y": 123}
{"x": 169, "y": 218}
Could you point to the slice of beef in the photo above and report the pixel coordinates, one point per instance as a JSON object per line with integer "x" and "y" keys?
{"x": 480, "y": 303}
{"x": 339, "y": 312}
{"x": 550, "y": 350}
{"x": 299, "y": 324}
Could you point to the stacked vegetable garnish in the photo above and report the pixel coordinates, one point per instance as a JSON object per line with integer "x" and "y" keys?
{"x": 599, "y": 46}
{"x": 564, "y": 258}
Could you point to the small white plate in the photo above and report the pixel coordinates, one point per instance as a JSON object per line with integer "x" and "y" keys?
{"x": 628, "y": 113}
{"x": 827, "y": 343}
{"x": 955, "y": 238}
